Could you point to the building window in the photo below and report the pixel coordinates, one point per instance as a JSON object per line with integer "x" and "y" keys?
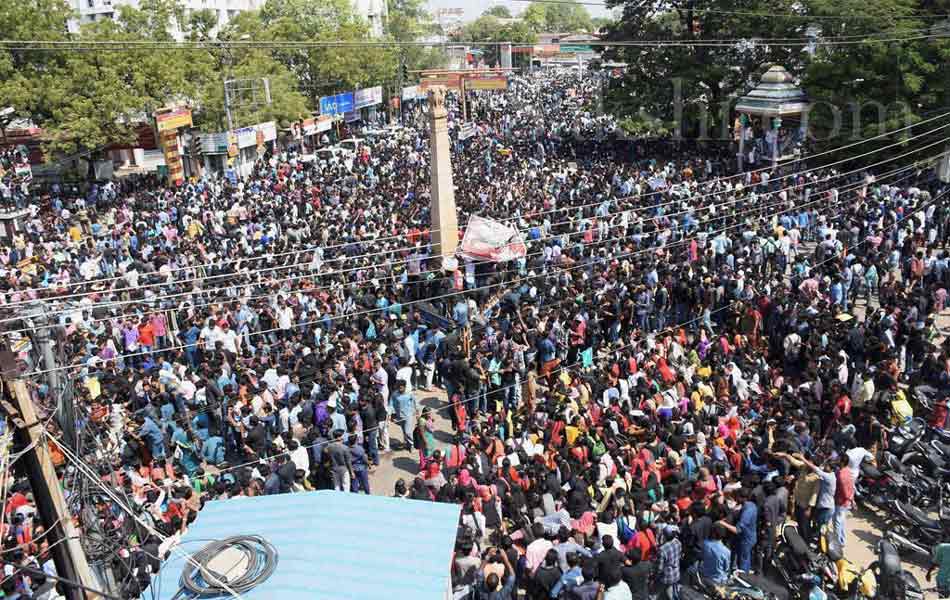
{"x": 91, "y": 3}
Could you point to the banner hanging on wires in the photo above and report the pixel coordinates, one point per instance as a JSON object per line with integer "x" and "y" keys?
{"x": 487, "y": 239}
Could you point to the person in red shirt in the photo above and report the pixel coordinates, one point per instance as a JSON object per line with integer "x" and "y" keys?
{"x": 644, "y": 541}
{"x": 842, "y": 404}
{"x": 844, "y": 497}
{"x": 146, "y": 334}
{"x": 17, "y": 499}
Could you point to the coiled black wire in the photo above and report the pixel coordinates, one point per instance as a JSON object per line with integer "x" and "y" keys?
{"x": 262, "y": 560}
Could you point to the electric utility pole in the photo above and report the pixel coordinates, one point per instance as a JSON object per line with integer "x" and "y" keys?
{"x": 62, "y": 534}
{"x": 65, "y": 411}
{"x": 943, "y": 168}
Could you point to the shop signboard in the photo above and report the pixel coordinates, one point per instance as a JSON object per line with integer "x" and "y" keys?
{"x": 367, "y": 97}
{"x": 248, "y": 136}
{"x": 487, "y": 82}
{"x": 337, "y": 104}
{"x": 176, "y": 172}
{"x": 452, "y": 81}
{"x": 324, "y": 123}
{"x": 173, "y": 119}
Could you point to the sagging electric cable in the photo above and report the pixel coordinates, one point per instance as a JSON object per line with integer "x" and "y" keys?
{"x": 535, "y": 214}
{"x": 255, "y": 559}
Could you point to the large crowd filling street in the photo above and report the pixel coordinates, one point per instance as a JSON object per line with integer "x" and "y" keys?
{"x": 685, "y": 360}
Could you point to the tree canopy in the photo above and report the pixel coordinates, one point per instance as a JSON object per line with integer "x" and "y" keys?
{"x": 499, "y": 10}
{"x": 86, "y": 100}
{"x": 692, "y": 89}
{"x": 563, "y": 17}
{"x": 489, "y": 29}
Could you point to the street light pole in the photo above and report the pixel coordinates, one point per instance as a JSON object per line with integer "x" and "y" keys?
{"x": 227, "y": 110}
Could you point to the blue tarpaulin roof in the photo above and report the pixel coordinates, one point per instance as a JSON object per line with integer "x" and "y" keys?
{"x": 332, "y": 545}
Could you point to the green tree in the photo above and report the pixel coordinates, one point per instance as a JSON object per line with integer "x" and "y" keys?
{"x": 598, "y": 23}
{"x": 201, "y": 24}
{"x": 688, "y": 88}
{"x": 499, "y": 10}
{"x": 287, "y": 103}
{"x": 24, "y": 80}
{"x": 325, "y": 70}
{"x": 408, "y": 21}
{"x": 560, "y": 17}
{"x": 877, "y": 87}
{"x": 489, "y": 29}
{"x": 87, "y": 100}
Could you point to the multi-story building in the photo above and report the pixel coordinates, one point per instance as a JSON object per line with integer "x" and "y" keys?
{"x": 375, "y": 12}
{"x": 89, "y": 11}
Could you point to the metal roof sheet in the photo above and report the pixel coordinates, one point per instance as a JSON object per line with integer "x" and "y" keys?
{"x": 332, "y": 545}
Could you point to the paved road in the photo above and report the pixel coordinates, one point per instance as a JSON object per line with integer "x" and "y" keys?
{"x": 401, "y": 464}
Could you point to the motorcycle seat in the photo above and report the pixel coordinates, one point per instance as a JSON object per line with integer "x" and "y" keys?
{"x": 919, "y": 516}
{"x": 870, "y": 471}
{"x": 897, "y": 478}
{"x": 797, "y": 544}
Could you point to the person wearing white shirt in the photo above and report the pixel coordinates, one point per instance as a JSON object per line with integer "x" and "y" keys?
{"x": 856, "y": 456}
{"x": 285, "y": 316}
{"x": 299, "y": 455}
{"x": 404, "y": 373}
{"x": 271, "y": 378}
{"x": 227, "y": 338}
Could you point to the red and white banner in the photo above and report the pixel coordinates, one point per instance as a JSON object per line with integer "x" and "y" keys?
{"x": 487, "y": 239}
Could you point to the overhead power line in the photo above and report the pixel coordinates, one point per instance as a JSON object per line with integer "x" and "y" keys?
{"x": 311, "y": 249}
{"x": 126, "y": 46}
{"x": 863, "y": 17}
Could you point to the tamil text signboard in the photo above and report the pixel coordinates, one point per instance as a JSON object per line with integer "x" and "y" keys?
{"x": 173, "y": 119}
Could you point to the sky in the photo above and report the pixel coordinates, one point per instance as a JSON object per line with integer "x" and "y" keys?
{"x": 473, "y": 8}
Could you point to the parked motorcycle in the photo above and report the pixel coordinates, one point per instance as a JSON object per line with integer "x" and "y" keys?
{"x": 879, "y": 486}
{"x": 845, "y": 578}
{"x": 903, "y": 438}
{"x": 916, "y": 531}
{"x": 739, "y": 587}
{"x": 892, "y": 580}
{"x": 793, "y": 558}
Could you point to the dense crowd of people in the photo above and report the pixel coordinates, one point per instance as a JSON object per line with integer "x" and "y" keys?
{"x": 683, "y": 358}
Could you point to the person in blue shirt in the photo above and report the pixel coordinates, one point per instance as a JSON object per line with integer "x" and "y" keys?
{"x": 360, "y": 480}
{"x": 190, "y": 460}
{"x": 460, "y": 312}
{"x": 717, "y": 558}
{"x": 190, "y": 338}
{"x": 212, "y": 450}
{"x": 572, "y": 577}
{"x": 746, "y": 530}
{"x": 403, "y": 405}
{"x": 837, "y": 294}
{"x": 150, "y": 433}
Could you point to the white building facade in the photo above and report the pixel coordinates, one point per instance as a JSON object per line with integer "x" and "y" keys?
{"x": 375, "y": 12}
{"x": 89, "y": 11}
